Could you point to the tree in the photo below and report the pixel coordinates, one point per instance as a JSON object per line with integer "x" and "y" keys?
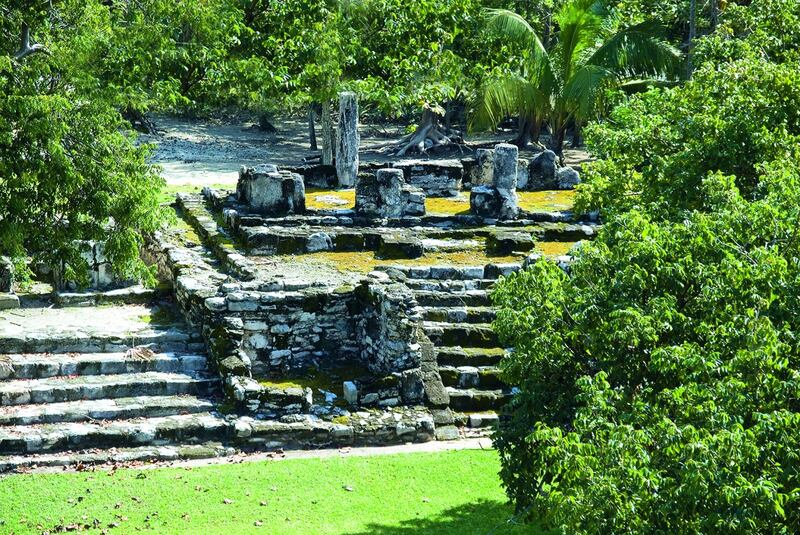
{"x": 68, "y": 172}
{"x": 658, "y": 376}
{"x": 564, "y": 82}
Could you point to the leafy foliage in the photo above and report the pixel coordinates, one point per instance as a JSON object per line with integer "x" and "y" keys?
{"x": 67, "y": 170}
{"x": 565, "y": 81}
{"x": 659, "y": 376}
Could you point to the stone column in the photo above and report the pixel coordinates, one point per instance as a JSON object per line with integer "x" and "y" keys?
{"x": 482, "y": 172}
{"x": 347, "y": 140}
{"x": 390, "y": 183}
{"x": 504, "y": 178}
{"x": 327, "y": 133}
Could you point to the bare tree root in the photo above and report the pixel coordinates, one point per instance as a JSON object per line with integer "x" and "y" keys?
{"x": 427, "y": 137}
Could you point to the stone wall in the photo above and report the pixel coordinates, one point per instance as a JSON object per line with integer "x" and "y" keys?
{"x": 277, "y": 329}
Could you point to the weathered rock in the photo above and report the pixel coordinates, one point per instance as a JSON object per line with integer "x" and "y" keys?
{"x": 498, "y": 201}
{"x": 8, "y": 301}
{"x": 481, "y": 173}
{"x": 386, "y": 194}
{"x": 272, "y": 192}
{"x": 503, "y": 243}
{"x": 350, "y": 391}
{"x": 568, "y": 178}
{"x": 347, "y": 140}
{"x": 6, "y": 275}
{"x": 437, "y": 178}
{"x": 504, "y": 178}
{"x": 400, "y": 247}
{"x": 319, "y": 241}
{"x": 543, "y": 171}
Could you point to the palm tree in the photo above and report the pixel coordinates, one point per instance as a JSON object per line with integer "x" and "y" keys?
{"x": 564, "y": 82}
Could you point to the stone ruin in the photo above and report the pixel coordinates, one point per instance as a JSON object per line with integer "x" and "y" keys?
{"x": 498, "y": 201}
{"x": 386, "y": 194}
{"x": 347, "y": 140}
{"x": 545, "y": 173}
{"x": 268, "y": 191}
{"x": 408, "y": 348}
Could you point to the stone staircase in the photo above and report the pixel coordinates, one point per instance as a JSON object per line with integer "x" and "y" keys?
{"x": 103, "y": 378}
{"x": 457, "y": 316}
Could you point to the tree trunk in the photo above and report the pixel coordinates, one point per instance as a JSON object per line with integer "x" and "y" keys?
{"x": 139, "y": 121}
{"x": 525, "y": 126}
{"x": 557, "y": 139}
{"x": 425, "y": 136}
{"x": 714, "y": 14}
{"x": 265, "y": 125}
{"x": 312, "y": 134}
{"x": 692, "y": 34}
{"x": 327, "y": 133}
{"x": 577, "y": 135}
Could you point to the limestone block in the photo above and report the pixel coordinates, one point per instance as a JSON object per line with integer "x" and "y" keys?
{"x": 8, "y": 301}
{"x": 392, "y": 247}
{"x": 6, "y": 275}
{"x": 543, "y": 171}
{"x": 271, "y": 192}
{"x": 504, "y": 170}
{"x": 390, "y": 182}
{"x": 481, "y": 174}
{"x": 319, "y": 241}
{"x": 350, "y": 391}
{"x": 568, "y": 178}
{"x": 485, "y": 201}
{"x": 437, "y": 178}
{"x": 503, "y": 243}
{"x": 347, "y": 140}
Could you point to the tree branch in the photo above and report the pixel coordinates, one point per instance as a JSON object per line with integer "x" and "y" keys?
{"x": 25, "y": 47}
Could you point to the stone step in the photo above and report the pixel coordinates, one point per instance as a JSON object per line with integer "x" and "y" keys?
{"x": 42, "y": 365}
{"x": 463, "y": 334}
{"x": 477, "y": 420}
{"x": 61, "y": 389}
{"x": 434, "y": 285}
{"x": 459, "y": 314}
{"x": 167, "y": 339}
{"x": 125, "y": 296}
{"x": 452, "y": 299}
{"x": 205, "y": 450}
{"x": 469, "y": 356}
{"x": 103, "y": 409}
{"x": 475, "y": 400}
{"x": 484, "y": 377}
{"x": 178, "y": 429}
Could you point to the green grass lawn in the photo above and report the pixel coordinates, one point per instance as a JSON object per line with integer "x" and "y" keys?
{"x": 454, "y": 492}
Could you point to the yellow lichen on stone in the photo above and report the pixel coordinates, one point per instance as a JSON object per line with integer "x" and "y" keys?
{"x": 327, "y": 199}
{"x": 365, "y": 261}
{"x": 447, "y": 205}
{"x": 554, "y": 248}
{"x": 538, "y": 201}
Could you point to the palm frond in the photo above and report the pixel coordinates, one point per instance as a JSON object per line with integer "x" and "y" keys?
{"x": 640, "y": 85}
{"x": 579, "y": 27}
{"x": 515, "y": 28}
{"x": 582, "y": 90}
{"x": 501, "y": 97}
{"x": 638, "y": 51}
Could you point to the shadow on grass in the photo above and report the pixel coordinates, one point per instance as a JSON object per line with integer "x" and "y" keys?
{"x": 481, "y": 518}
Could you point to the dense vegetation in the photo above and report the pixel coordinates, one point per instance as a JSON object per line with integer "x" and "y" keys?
{"x": 660, "y": 377}
{"x": 74, "y": 75}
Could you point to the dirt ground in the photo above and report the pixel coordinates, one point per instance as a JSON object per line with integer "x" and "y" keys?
{"x": 199, "y": 153}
